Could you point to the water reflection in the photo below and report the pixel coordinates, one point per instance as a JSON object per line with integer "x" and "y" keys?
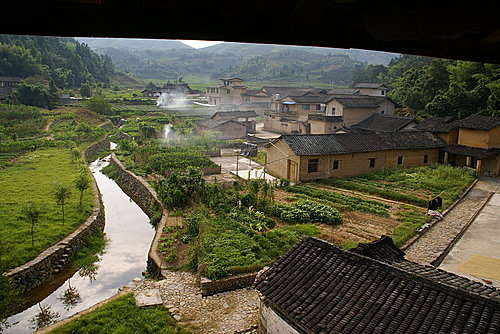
{"x": 125, "y": 258}
{"x": 44, "y": 318}
{"x": 70, "y": 297}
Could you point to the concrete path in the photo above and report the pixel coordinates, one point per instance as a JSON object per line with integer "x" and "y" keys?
{"x": 434, "y": 242}
{"x": 477, "y": 254}
{"x": 241, "y": 166}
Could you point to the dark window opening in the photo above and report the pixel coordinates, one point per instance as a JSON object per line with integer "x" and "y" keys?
{"x": 336, "y": 164}
{"x": 400, "y": 160}
{"x": 426, "y": 159}
{"x": 312, "y": 165}
{"x": 372, "y": 162}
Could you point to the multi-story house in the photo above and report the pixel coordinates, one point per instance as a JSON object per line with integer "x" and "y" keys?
{"x": 234, "y": 93}
{"x": 472, "y": 142}
{"x": 324, "y": 113}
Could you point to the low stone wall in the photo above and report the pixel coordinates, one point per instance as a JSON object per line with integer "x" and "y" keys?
{"x": 137, "y": 187}
{"x": 52, "y": 260}
{"x": 209, "y": 287}
{"x": 145, "y": 196}
{"x": 90, "y": 151}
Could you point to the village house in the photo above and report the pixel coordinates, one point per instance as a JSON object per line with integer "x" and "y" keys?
{"x": 472, "y": 142}
{"x": 7, "y": 85}
{"x": 384, "y": 123}
{"x": 301, "y": 158}
{"x": 233, "y": 92}
{"x": 229, "y": 124}
{"x": 170, "y": 88}
{"x": 371, "y": 88}
{"x": 319, "y": 288}
{"x": 322, "y": 111}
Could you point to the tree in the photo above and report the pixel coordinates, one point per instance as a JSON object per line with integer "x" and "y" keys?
{"x": 82, "y": 183}
{"x": 61, "y": 193}
{"x": 85, "y": 89}
{"x": 36, "y": 95}
{"x": 31, "y": 213}
{"x": 76, "y": 154}
{"x": 99, "y": 105}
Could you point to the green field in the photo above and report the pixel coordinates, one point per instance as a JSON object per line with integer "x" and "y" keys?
{"x": 415, "y": 185}
{"x": 121, "y": 315}
{"x": 31, "y": 179}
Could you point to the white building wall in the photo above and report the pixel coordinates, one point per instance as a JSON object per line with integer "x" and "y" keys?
{"x": 271, "y": 323}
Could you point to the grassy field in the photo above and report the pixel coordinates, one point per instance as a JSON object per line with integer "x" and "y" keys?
{"x": 31, "y": 179}
{"x": 121, "y": 315}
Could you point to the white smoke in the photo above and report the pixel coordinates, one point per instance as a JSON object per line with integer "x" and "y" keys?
{"x": 171, "y": 100}
{"x": 168, "y": 134}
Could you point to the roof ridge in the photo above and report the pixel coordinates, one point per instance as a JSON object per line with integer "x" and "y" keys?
{"x": 440, "y": 284}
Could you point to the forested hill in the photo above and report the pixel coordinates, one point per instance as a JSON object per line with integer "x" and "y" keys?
{"x": 249, "y": 50}
{"x": 168, "y": 59}
{"x": 63, "y": 61}
{"x": 440, "y": 87}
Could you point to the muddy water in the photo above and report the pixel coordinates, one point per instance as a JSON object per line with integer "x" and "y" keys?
{"x": 129, "y": 235}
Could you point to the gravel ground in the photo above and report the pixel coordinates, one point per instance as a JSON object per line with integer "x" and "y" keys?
{"x": 228, "y": 312}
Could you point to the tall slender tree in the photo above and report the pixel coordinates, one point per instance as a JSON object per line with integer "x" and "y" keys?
{"x": 61, "y": 193}
{"x": 31, "y": 213}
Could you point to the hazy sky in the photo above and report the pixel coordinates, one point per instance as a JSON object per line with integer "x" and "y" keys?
{"x": 198, "y": 44}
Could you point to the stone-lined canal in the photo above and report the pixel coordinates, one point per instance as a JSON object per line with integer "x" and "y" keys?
{"x": 129, "y": 236}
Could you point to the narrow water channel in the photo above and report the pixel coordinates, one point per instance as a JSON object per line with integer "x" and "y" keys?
{"x": 129, "y": 235}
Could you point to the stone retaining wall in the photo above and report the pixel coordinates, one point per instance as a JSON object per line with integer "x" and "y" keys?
{"x": 145, "y": 196}
{"x": 90, "y": 151}
{"x": 53, "y": 259}
{"x": 137, "y": 187}
{"x": 209, "y": 287}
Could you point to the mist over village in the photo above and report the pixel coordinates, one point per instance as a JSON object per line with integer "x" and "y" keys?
{"x": 176, "y": 186}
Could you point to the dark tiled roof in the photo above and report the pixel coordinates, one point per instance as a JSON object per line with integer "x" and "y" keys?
{"x": 344, "y": 143}
{"x": 10, "y": 79}
{"x": 479, "y": 122}
{"x": 325, "y": 118}
{"x": 253, "y": 92}
{"x": 323, "y": 98}
{"x": 343, "y": 91}
{"x": 213, "y": 123}
{"x": 370, "y": 85}
{"x": 235, "y": 114}
{"x": 476, "y": 152}
{"x": 319, "y": 288}
{"x": 438, "y": 124}
{"x": 285, "y": 91}
{"x": 383, "y": 123}
{"x": 382, "y": 249}
{"x": 360, "y": 101}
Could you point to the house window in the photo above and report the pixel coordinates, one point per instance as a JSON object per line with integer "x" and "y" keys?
{"x": 312, "y": 165}
{"x": 228, "y": 91}
{"x": 247, "y": 99}
{"x": 306, "y": 107}
{"x": 336, "y": 164}
{"x": 400, "y": 160}
{"x": 382, "y": 112}
{"x": 318, "y": 107}
{"x": 426, "y": 159}
{"x": 372, "y": 162}
{"x": 382, "y": 92}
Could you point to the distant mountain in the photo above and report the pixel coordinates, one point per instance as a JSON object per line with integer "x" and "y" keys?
{"x": 132, "y": 44}
{"x": 248, "y": 50}
{"x": 161, "y": 60}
